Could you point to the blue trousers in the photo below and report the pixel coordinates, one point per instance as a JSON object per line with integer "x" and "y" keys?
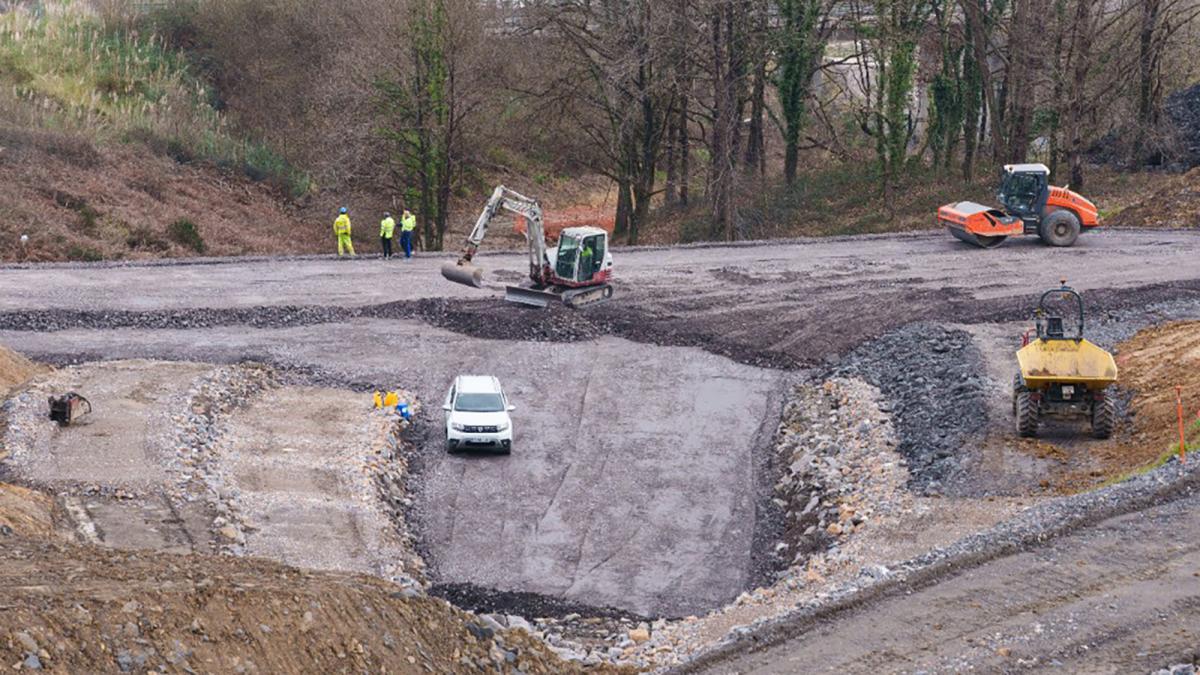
{"x": 406, "y": 242}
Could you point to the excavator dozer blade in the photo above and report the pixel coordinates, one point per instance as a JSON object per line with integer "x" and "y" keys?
{"x": 982, "y": 241}
{"x": 531, "y": 296}
{"x": 465, "y": 274}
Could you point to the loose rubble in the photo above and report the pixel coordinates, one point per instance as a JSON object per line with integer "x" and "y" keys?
{"x": 933, "y": 378}
{"x": 840, "y": 466}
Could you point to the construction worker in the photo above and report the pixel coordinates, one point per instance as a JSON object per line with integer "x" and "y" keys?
{"x": 408, "y": 223}
{"x": 341, "y": 228}
{"x": 585, "y": 262}
{"x": 387, "y": 227}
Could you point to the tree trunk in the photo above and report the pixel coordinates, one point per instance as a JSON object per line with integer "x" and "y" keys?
{"x": 724, "y": 127}
{"x": 1081, "y": 52}
{"x": 1024, "y": 39}
{"x": 754, "y": 138}
{"x": 671, "y": 189}
{"x": 974, "y": 11}
{"x": 624, "y": 208}
{"x": 972, "y": 93}
{"x": 1148, "y": 56}
{"x": 684, "y": 151}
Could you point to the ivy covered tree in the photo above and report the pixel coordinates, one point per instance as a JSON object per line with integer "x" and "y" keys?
{"x": 800, "y": 46}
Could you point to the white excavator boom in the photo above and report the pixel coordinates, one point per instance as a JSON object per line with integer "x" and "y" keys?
{"x": 464, "y": 272}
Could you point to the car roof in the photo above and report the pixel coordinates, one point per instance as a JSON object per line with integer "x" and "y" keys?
{"x": 478, "y": 384}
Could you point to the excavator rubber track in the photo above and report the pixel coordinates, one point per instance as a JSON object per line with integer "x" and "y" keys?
{"x": 574, "y": 298}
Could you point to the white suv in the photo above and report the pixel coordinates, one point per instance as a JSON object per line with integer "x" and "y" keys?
{"x": 477, "y": 415}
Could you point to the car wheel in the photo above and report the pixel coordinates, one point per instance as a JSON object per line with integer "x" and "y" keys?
{"x": 451, "y": 447}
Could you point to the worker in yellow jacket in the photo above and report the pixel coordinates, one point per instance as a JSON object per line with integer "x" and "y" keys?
{"x": 341, "y": 228}
{"x": 408, "y": 223}
{"x": 387, "y": 227}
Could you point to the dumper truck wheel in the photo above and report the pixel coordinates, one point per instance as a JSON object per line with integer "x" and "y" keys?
{"x": 1026, "y": 414}
{"x": 1104, "y": 417}
{"x": 1018, "y": 387}
{"x": 1060, "y": 228}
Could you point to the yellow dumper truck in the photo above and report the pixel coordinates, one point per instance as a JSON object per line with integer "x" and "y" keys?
{"x": 1061, "y": 373}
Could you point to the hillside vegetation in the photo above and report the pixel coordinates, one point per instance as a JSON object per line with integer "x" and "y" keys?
{"x": 109, "y": 148}
{"x": 229, "y": 127}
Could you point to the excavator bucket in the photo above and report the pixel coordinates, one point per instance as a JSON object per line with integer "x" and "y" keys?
{"x": 531, "y": 296}
{"x": 463, "y": 273}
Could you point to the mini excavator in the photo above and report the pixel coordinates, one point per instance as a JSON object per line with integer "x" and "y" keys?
{"x": 576, "y": 272}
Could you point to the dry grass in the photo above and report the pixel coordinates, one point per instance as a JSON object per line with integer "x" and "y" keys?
{"x": 1165, "y": 201}
{"x": 124, "y": 205}
{"x": 70, "y": 73}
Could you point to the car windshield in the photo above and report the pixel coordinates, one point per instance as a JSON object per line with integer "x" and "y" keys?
{"x": 479, "y": 403}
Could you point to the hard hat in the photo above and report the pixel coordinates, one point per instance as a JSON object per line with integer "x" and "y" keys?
{"x": 387, "y": 214}
{"x": 342, "y": 210}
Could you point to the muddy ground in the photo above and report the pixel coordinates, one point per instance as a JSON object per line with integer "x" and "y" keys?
{"x": 642, "y": 477}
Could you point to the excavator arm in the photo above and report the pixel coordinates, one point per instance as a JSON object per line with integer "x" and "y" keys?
{"x": 464, "y": 272}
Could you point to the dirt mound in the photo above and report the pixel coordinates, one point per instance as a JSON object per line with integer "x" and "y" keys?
{"x": 25, "y": 512}
{"x": 1152, "y": 364}
{"x": 1183, "y": 108}
{"x": 1173, "y": 203}
{"x": 83, "y": 609}
{"x": 14, "y": 369}
{"x": 932, "y": 375}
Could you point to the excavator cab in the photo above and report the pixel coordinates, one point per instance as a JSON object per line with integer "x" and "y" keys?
{"x": 580, "y": 256}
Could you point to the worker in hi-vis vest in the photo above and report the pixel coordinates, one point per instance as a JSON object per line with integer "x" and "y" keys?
{"x": 387, "y": 227}
{"x": 341, "y": 228}
{"x": 408, "y": 223}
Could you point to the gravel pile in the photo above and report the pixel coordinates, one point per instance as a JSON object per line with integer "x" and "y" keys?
{"x": 935, "y": 381}
{"x": 1183, "y": 108}
{"x": 839, "y": 464}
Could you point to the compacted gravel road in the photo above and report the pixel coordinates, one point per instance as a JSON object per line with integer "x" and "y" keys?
{"x": 1120, "y": 596}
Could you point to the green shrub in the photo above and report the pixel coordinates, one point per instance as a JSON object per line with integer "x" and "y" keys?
{"x": 84, "y": 254}
{"x": 144, "y": 239}
{"x": 89, "y": 218}
{"x": 697, "y": 228}
{"x": 185, "y": 233}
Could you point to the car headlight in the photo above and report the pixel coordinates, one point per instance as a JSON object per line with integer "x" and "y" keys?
{"x": 458, "y": 427}
{"x": 503, "y": 426}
